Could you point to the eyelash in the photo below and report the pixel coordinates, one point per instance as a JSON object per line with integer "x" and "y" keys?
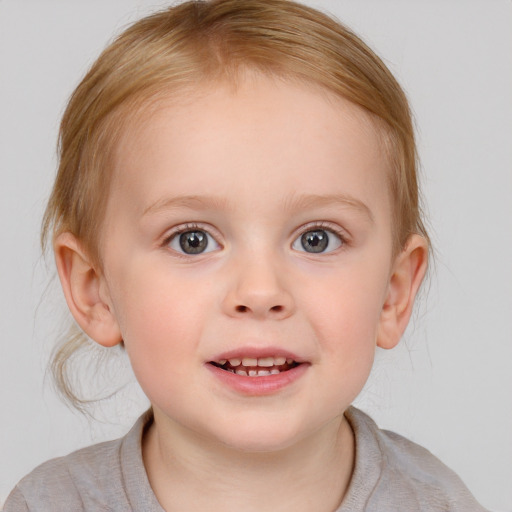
{"x": 322, "y": 225}
{"x": 325, "y": 226}
{"x": 184, "y": 229}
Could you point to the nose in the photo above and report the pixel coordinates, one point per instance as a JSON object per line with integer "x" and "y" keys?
{"x": 257, "y": 290}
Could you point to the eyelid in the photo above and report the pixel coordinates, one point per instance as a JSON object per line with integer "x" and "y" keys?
{"x": 327, "y": 226}
{"x": 333, "y": 228}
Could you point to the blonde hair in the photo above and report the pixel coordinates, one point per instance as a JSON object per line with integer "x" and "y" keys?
{"x": 198, "y": 41}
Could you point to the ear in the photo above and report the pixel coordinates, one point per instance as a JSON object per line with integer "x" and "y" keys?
{"x": 85, "y": 291}
{"x": 407, "y": 274}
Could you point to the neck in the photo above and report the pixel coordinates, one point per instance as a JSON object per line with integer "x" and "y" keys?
{"x": 188, "y": 472}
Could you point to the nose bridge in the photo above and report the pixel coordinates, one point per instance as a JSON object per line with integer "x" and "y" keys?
{"x": 257, "y": 287}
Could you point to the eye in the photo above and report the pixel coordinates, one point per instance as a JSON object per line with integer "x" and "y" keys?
{"x": 317, "y": 241}
{"x": 194, "y": 241}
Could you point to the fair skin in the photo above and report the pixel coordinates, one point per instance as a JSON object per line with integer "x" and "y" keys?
{"x": 204, "y": 263}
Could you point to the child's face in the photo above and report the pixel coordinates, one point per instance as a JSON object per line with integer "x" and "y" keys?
{"x": 215, "y": 247}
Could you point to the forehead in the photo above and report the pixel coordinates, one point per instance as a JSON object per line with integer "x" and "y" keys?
{"x": 262, "y": 134}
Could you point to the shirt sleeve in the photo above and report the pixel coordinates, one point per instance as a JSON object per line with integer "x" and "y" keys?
{"x": 15, "y": 502}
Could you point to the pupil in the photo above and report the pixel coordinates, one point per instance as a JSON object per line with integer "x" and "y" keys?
{"x": 193, "y": 242}
{"x": 315, "y": 241}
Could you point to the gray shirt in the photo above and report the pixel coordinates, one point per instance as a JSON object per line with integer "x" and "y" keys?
{"x": 391, "y": 474}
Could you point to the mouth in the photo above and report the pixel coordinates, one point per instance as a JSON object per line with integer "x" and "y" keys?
{"x": 256, "y": 367}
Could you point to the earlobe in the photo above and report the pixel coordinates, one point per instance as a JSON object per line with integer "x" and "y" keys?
{"x": 407, "y": 274}
{"x": 83, "y": 288}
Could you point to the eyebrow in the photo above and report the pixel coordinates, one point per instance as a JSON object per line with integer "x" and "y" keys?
{"x": 307, "y": 201}
{"x": 190, "y": 201}
{"x": 292, "y": 203}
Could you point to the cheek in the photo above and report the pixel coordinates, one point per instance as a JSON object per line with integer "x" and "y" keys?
{"x": 149, "y": 300}
{"x": 161, "y": 322}
{"x": 346, "y": 314}
{"x": 346, "y": 333}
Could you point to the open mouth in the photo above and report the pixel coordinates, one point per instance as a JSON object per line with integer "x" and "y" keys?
{"x": 252, "y": 367}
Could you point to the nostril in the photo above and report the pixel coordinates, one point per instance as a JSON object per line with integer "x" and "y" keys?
{"x": 240, "y": 308}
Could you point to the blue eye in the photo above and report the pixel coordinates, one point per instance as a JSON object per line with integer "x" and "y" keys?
{"x": 194, "y": 241}
{"x": 317, "y": 241}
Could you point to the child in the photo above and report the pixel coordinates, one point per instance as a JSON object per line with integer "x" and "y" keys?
{"x": 237, "y": 206}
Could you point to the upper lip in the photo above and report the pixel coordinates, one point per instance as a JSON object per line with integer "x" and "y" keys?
{"x": 256, "y": 353}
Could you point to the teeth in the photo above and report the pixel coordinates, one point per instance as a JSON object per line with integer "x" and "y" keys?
{"x": 260, "y": 373}
{"x": 255, "y": 373}
{"x": 272, "y": 361}
{"x": 252, "y": 367}
{"x": 265, "y": 362}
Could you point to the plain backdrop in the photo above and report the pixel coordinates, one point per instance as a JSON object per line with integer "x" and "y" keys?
{"x": 448, "y": 386}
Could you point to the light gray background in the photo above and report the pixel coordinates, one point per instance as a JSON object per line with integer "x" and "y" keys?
{"x": 449, "y": 385}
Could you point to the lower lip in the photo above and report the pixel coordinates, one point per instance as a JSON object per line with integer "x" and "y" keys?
{"x": 259, "y": 386}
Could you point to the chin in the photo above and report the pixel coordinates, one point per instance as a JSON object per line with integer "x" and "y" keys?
{"x": 260, "y": 438}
